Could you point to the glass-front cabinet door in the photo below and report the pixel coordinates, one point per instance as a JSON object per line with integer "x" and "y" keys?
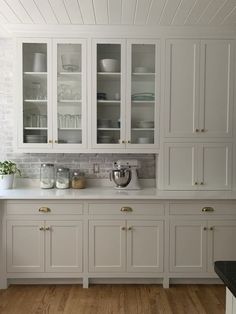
{"x": 142, "y": 93}
{"x": 108, "y": 94}
{"x": 33, "y": 126}
{"x": 69, "y": 90}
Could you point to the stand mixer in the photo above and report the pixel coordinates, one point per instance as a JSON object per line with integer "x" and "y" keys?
{"x": 125, "y": 175}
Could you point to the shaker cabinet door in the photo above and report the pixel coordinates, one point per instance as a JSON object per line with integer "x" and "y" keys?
{"x": 216, "y": 90}
{"x": 180, "y": 168}
{"x": 107, "y": 243}
{"x": 25, "y": 246}
{"x": 188, "y": 246}
{"x": 63, "y": 246}
{"x": 145, "y": 246}
{"x": 182, "y": 88}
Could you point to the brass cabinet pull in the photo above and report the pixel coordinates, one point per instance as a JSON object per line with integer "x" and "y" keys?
{"x": 204, "y": 228}
{"x": 44, "y": 209}
{"x": 130, "y": 228}
{"x": 50, "y": 141}
{"x": 129, "y": 142}
{"x": 126, "y": 209}
{"x": 41, "y": 228}
{"x": 195, "y": 183}
{"x": 207, "y": 209}
{"x": 56, "y": 141}
{"x": 202, "y": 130}
{"x": 47, "y": 228}
{"x": 197, "y": 130}
{"x": 123, "y": 228}
{"x": 211, "y": 228}
{"x": 202, "y": 183}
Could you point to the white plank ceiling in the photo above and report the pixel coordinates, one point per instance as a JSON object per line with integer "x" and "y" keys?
{"x": 119, "y": 12}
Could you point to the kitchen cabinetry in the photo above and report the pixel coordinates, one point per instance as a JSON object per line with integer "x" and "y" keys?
{"x": 199, "y": 88}
{"x": 204, "y": 166}
{"x": 132, "y": 241}
{"x": 44, "y": 246}
{"x": 125, "y": 93}
{"x": 52, "y": 117}
{"x": 196, "y": 243}
{"x": 40, "y": 238}
{"x": 126, "y": 246}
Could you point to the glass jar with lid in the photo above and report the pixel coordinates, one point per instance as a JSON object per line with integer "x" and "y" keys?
{"x": 78, "y": 180}
{"x": 63, "y": 178}
{"x": 47, "y": 176}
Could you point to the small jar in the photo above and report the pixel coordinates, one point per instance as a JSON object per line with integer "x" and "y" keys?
{"x": 63, "y": 178}
{"x": 47, "y": 176}
{"x": 78, "y": 180}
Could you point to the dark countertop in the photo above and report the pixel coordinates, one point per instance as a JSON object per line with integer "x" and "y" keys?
{"x": 226, "y": 270}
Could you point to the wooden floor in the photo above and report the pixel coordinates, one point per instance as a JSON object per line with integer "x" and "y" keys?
{"x": 103, "y": 299}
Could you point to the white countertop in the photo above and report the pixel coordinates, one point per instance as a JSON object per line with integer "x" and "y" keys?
{"x": 111, "y": 193}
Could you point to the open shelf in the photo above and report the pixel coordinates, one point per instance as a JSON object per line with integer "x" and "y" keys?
{"x": 109, "y": 75}
{"x": 108, "y": 102}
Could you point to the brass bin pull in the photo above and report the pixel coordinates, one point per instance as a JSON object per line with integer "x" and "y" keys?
{"x": 126, "y": 209}
{"x": 44, "y": 210}
{"x": 207, "y": 209}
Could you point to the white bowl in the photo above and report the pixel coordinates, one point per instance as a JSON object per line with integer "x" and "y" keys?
{"x": 109, "y": 65}
{"x": 144, "y": 140}
{"x": 145, "y": 124}
{"x": 140, "y": 70}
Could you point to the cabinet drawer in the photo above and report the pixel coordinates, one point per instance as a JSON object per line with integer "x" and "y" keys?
{"x": 42, "y": 208}
{"x": 126, "y": 208}
{"x": 203, "y": 208}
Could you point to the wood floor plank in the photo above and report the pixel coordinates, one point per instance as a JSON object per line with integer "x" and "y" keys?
{"x": 113, "y": 299}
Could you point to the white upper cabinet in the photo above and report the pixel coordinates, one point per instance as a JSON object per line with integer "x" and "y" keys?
{"x": 206, "y": 166}
{"x": 52, "y": 91}
{"x": 199, "y": 88}
{"x": 69, "y": 91}
{"x": 34, "y": 113}
{"x": 125, "y": 94}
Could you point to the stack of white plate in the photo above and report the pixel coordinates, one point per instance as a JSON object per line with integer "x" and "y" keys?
{"x": 35, "y": 138}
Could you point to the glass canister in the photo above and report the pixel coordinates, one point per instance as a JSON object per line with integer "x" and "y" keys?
{"x": 78, "y": 180}
{"x": 63, "y": 178}
{"x": 47, "y": 176}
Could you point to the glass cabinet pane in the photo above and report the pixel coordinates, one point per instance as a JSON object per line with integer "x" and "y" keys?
{"x": 143, "y": 81}
{"x": 69, "y": 93}
{"x": 108, "y": 93}
{"x": 35, "y": 94}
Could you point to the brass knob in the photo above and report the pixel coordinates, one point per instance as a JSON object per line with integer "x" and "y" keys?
{"x": 202, "y": 130}
{"x": 212, "y": 228}
{"x": 197, "y": 130}
{"x": 202, "y": 183}
{"x": 126, "y": 209}
{"x": 204, "y": 228}
{"x": 50, "y": 141}
{"x": 44, "y": 209}
{"x": 122, "y": 141}
{"x": 128, "y": 142}
{"x": 56, "y": 141}
{"x": 41, "y": 228}
{"x": 195, "y": 183}
{"x": 123, "y": 228}
{"x": 47, "y": 228}
{"x": 207, "y": 209}
{"x": 130, "y": 228}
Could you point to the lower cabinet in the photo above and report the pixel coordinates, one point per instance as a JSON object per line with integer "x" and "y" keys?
{"x": 126, "y": 246}
{"x": 196, "y": 244}
{"x": 44, "y": 246}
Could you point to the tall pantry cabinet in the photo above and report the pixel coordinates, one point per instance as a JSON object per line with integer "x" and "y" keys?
{"x": 198, "y": 135}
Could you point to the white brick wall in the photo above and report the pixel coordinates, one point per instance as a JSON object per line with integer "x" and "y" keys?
{"x": 30, "y": 163}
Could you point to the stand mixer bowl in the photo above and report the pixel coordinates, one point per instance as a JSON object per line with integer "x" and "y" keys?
{"x": 121, "y": 177}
